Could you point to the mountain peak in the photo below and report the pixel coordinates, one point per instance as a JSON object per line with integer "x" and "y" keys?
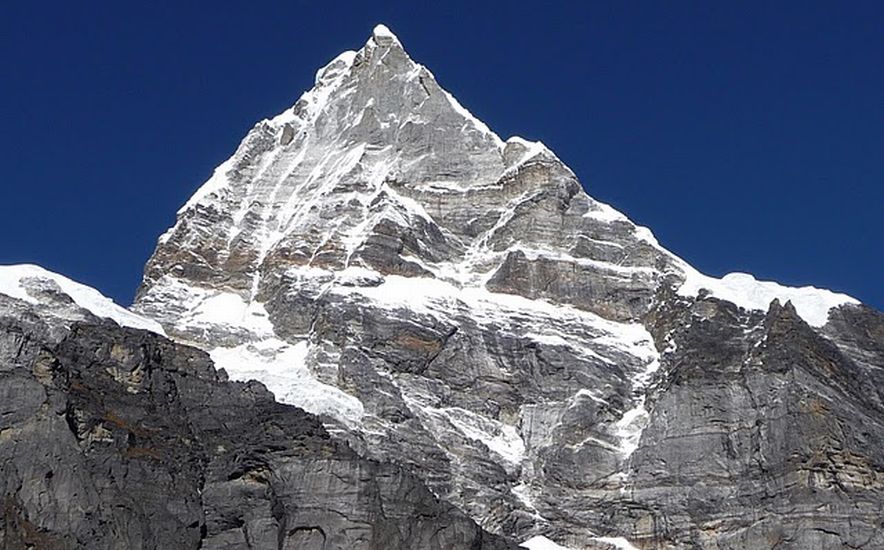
{"x": 382, "y": 35}
{"x": 378, "y": 139}
{"x": 376, "y": 255}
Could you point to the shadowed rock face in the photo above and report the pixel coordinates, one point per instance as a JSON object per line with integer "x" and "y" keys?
{"x": 118, "y": 438}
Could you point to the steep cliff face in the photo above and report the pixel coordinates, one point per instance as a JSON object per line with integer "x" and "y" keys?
{"x": 115, "y": 438}
{"x": 764, "y": 433}
{"x": 456, "y": 304}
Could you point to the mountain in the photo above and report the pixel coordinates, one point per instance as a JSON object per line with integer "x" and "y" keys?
{"x": 116, "y": 437}
{"x": 455, "y": 307}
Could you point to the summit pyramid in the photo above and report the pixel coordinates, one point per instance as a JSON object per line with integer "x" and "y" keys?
{"x": 456, "y": 303}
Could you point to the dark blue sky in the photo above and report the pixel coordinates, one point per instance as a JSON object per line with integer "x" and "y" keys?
{"x": 748, "y": 135}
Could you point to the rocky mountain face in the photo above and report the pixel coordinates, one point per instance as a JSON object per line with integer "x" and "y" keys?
{"x": 478, "y": 338}
{"x": 113, "y": 437}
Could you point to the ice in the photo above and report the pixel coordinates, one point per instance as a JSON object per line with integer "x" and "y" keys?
{"x": 591, "y": 395}
{"x": 213, "y": 185}
{"x": 743, "y": 289}
{"x": 202, "y": 309}
{"x": 441, "y": 299}
{"x": 630, "y": 427}
{"x": 522, "y": 491}
{"x": 282, "y": 367}
{"x": 812, "y": 304}
{"x": 535, "y": 253}
{"x": 541, "y": 543}
{"x": 478, "y": 124}
{"x": 502, "y": 439}
{"x": 382, "y": 31}
{"x": 226, "y": 308}
{"x": 617, "y": 542}
{"x": 335, "y": 68}
{"x": 13, "y": 282}
{"x": 604, "y": 213}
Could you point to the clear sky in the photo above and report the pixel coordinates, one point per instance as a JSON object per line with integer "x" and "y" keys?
{"x": 748, "y": 135}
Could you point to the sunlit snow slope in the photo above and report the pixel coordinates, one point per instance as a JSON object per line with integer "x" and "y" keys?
{"x": 41, "y": 287}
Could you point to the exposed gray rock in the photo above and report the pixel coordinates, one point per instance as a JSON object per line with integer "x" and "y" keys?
{"x": 119, "y": 438}
{"x": 763, "y": 434}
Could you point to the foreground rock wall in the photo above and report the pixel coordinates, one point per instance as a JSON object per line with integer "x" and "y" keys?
{"x": 118, "y": 438}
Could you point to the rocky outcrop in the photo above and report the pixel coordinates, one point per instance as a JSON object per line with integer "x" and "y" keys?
{"x": 118, "y": 438}
{"x": 763, "y": 434}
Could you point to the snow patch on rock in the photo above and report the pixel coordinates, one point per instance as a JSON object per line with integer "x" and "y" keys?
{"x": 811, "y": 303}
{"x": 282, "y": 368}
{"x": 14, "y": 282}
{"x": 541, "y": 543}
{"x": 744, "y": 290}
{"x": 617, "y": 542}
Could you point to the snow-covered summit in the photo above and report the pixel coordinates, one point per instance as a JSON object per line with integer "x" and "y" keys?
{"x": 377, "y": 131}
{"x": 377, "y": 255}
{"x": 377, "y": 173}
{"x": 381, "y": 32}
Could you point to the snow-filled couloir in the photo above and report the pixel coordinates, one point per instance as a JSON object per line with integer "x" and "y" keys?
{"x": 444, "y": 298}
